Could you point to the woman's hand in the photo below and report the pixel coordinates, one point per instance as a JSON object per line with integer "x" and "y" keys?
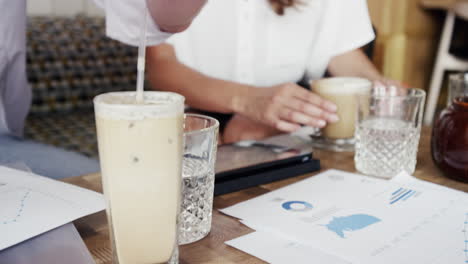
{"x": 288, "y": 106}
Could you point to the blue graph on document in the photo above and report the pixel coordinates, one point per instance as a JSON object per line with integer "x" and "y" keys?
{"x": 350, "y": 223}
{"x": 402, "y": 194}
{"x": 18, "y": 213}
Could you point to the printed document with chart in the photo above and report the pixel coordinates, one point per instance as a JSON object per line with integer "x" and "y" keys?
{"x": 364, "y": 220}
{"x": 31, "y": 205}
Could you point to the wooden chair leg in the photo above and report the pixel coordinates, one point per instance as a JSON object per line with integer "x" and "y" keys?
{"x": 434, "y": 90}
{"x": 439, "y": 68}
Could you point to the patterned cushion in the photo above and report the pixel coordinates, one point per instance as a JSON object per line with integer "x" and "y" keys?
{"x": 69, "y": 61}
{"x": 73, "y": 130}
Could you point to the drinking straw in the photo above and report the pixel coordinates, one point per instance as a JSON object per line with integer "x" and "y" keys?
{"x": 141, "y": 59}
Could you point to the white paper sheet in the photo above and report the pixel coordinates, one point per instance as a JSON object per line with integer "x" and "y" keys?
{"x": 31, "y": 205}
{"x": 310, "y": 199}
{"x": 278, "y": 250}
{"x": 365, "y": 220}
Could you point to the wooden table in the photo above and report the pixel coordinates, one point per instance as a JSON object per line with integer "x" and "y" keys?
{"x": 212, "y": 249}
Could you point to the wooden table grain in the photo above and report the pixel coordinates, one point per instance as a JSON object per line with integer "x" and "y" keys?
{"x": 212, "y": 249}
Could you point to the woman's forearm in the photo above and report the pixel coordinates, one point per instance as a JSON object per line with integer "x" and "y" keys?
{"x": 166, "y": 73}
{"x": 174, "y": 15}
{"x": 354, "y": 63}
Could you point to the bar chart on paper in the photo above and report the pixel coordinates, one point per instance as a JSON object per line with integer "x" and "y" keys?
{"x": 31, "y": 205}
{"x": 402, "y": 194}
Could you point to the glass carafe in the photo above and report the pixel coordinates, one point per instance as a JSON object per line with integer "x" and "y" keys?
{"x": 450, "y": 133}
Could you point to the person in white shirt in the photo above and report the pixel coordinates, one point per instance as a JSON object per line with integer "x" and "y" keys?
{"x": 123, "y": 16}
{"x": 245, "y": 57}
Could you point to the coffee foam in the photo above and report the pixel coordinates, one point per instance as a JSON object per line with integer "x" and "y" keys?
{"x": 342, "y": 85}
{"x": 123, "y": 105}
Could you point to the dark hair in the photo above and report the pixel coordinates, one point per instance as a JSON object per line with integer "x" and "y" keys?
{"x": 280, "y": 5}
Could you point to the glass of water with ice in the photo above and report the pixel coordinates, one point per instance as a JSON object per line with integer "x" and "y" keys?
{"x": 201, "y": 140}
{"x": 388, "y": 130}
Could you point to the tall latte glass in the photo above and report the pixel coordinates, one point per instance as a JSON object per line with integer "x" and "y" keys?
{"x": 342, "y": 91}
{"x": 140, "y": 150}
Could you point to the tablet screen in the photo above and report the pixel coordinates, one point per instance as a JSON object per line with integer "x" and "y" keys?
{"x": 232, "y": 157}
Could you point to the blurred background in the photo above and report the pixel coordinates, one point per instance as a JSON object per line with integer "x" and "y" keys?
{"x": 70, "y": 60}
{"x": 408, "y": 33}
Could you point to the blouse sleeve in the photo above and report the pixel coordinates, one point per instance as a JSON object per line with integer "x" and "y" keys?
{"x": 124, "y": 21}
{"x": 354, "y": 28}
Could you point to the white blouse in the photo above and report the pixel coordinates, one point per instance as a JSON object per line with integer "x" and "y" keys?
{"x": 125, "y": 19}
{"x": 247, "y": 42}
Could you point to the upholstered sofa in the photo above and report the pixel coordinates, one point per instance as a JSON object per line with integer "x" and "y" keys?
{"x": 69, "y": 61}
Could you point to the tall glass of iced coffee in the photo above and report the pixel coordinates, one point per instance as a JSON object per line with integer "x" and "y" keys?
{"x": 140, "y": 150}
